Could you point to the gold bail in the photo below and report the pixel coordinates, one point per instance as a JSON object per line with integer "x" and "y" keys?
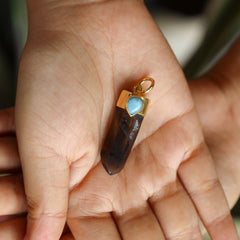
{"x": 138, "y": 89}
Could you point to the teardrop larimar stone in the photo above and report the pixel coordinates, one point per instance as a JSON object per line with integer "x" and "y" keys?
{"x": 134, "y": 105}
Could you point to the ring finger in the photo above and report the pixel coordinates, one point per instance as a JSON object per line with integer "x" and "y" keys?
{"x": 176, "y": 213}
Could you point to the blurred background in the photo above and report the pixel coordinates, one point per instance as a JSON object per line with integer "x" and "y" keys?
{"x": 199, "y": 32}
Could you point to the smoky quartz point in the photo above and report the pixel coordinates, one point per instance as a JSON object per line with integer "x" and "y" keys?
{"x": 119, "y": 140}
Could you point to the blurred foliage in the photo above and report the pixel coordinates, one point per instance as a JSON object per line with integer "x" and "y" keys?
{"x": 13, "y": 32}
{"x": 221, "y": 33}
{"x": 19, "y": 23}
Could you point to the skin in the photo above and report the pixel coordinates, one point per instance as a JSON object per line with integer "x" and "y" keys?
{"x": 216, "y": 96}
{"x": 222, "y": 142}
{"x": 77, "y": 60}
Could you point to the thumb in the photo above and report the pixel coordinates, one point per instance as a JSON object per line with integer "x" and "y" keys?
{"x": 46, "y": 177}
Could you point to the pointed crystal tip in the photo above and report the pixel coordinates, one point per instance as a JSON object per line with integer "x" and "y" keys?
{"x": 109, "y": 170}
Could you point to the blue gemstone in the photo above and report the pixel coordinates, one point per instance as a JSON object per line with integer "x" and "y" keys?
{"x": 134, "y": 105}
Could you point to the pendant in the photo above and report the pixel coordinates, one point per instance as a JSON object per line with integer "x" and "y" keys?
{"x": 130, "y": 111}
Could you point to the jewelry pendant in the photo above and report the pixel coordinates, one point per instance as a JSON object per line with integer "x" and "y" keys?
{"x": 130, "y": 111}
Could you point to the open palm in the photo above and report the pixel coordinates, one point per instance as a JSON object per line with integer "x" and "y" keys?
{"x": 71, "y": 74}
{"x": 216, "y": 96}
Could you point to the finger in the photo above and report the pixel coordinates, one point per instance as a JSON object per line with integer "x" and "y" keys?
{"x": 12, "y": 196}
{"x": 169, "y": 146}
{"x": 139, "y": 223}
{"x": 7, "y": 124}
{"x": 199, "y": 177}
{"x": 13, "y": 229}
{"x": 47, "y": 195}
{"x": 176, "y": 213}
{"x": 91, "y": 228}
{"x": 98, "y": 194}
{"x": 9, "y": 157}
{"x": 90, "y": 207}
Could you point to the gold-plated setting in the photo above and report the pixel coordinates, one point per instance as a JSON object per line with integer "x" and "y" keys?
{"x": 137, "y": 92}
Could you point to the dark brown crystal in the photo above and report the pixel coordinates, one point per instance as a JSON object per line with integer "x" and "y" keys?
{"x": 119, "y": 140}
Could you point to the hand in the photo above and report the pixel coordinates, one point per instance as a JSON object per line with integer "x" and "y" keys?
{"x": 207, "y": 96}
{"x": 77, "y": 60}
{"x": 13, "y": 203}
{"x": 216, "y": 96}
